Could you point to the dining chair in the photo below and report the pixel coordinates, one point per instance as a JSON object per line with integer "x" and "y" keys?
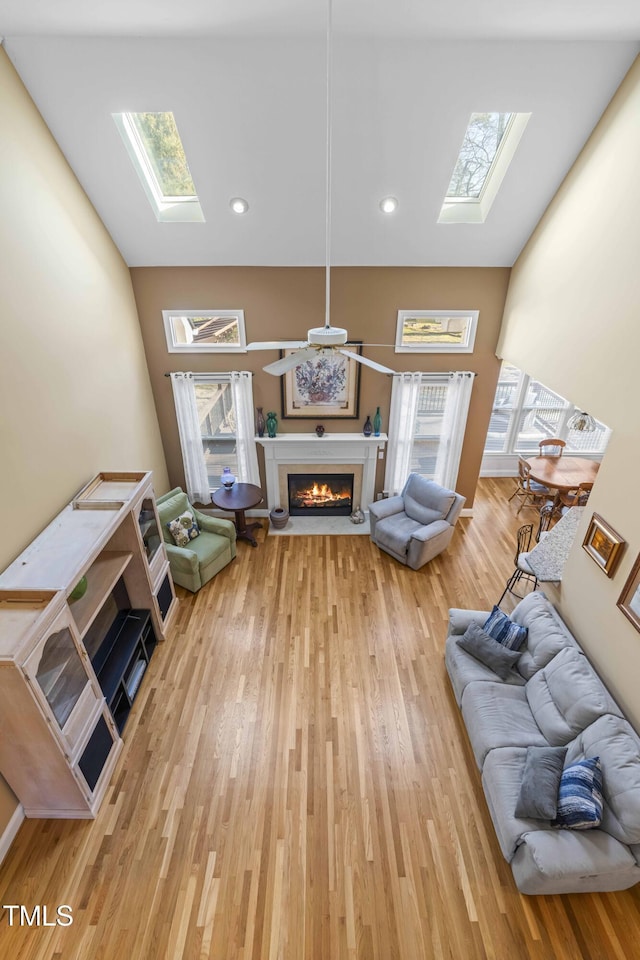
{"x": 523, "y": 573}
{"x": 575, "y": 497}
{"x": 551, "y": 447}
{"x": 528, "y": 491}
{"x": 546, "y": 519}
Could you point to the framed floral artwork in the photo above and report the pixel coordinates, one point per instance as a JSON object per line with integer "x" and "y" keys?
{"x": 603, "y": 544}
{"x": 327, "y": 386}
{"x": 629, "y": 600}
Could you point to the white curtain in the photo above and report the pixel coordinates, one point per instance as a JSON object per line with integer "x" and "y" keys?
{"x": 195, "y": 471}
{"x": 242, "y": 393}
{"x": 405, "y": 395}
{"x": 454, "y": 423}
{"x": 402, "y": 415}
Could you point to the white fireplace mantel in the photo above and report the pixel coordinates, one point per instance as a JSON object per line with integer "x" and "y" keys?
{"x": 332, "y": 448}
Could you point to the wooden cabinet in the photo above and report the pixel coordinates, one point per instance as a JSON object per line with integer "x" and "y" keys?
{"x": 71, "y": 660}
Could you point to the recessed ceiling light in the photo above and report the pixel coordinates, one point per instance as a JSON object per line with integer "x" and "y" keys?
{"x": 238, "y": 205}
{"x": 388, "y": 204}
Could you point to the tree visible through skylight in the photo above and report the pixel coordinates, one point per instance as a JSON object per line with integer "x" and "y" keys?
{"x": 477, "y": 154}
{"x": 161, "y": 141}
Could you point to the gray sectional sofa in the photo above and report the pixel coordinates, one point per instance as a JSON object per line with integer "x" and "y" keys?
{"x": 552, "y": 696}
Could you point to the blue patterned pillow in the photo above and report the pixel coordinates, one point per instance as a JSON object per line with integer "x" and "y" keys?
{"x": 505, "y": 631}
{"x": 580, "y": 796}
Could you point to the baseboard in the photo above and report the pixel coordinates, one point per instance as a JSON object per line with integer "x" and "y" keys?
{"x": 11, "y": 830}
{"x": 466, "y": 512}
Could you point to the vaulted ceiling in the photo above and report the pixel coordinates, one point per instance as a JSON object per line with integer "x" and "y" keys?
{"x": 246, "y": 81}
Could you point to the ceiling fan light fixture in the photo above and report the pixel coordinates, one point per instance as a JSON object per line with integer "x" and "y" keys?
{"x": 239, "y": 205}
{"x": 327, "y": 336}
{"x": 388, "y": 204}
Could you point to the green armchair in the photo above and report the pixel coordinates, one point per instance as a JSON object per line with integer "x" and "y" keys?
{"x": 194, "y": 565}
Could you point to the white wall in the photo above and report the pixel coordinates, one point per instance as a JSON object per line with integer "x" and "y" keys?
{"x": 572, "y": 320}
{"x": 75, "y": 396}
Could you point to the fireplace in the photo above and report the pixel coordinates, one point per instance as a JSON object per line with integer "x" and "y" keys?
{"x": 320, "y": 494}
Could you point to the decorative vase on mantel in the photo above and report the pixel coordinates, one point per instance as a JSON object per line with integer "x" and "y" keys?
{"x": 260, "y": 422}
{"x": 272, "y": 424}
{"x": 279, "y": 517}
{"x": 377, "y": 422}
{"x": 367, "y": 429}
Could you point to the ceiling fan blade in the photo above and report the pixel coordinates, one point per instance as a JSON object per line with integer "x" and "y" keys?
{"x": 288, "y": 363}
{"x": 277, "y": 345}
{"x": 366, "y": 361}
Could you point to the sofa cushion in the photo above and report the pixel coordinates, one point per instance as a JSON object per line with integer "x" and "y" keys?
{"x": 541, "y": 777}
{"x": 499, "y": 658}
{"x": 547, "y": 634}
{"x": 425, "y": 500}
{"x": 502, "y": 775}
{"x": 580, "y": 796}
{"x": 498, "y": 715}
{"x": 499, "y": 626}
{"x": 618, "y": 746}
{"x": 395, "y": 532}
{"x": 566, "y": 696}
{"x": 463, "y": 669}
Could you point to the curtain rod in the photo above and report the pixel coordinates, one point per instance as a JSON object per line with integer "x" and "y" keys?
{"x": 446, "y": 374}
{"x": 192, "y": 373}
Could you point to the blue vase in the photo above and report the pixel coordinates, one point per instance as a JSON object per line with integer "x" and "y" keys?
{"x": 367, "y": 429}
{"x": 377, "y": 422}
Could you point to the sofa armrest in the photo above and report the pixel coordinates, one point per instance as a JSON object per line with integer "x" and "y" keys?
{"x": 182, "y": 558}
{"x": 431, "y": 530}
{"x": 459, "y": 620}
{"x": 224, "y": 528}
{"x": 386, "y": 508}
{"x": 569, "y": 861}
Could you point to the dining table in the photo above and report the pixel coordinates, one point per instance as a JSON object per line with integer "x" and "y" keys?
{"x": 562, "y": 473}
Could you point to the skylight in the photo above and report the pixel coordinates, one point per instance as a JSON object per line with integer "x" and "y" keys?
{"x": 155, "y": 148}
{"x": 488, "y": 147}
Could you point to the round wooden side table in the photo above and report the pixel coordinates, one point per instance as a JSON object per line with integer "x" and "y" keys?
{"x": 238, "y": 498}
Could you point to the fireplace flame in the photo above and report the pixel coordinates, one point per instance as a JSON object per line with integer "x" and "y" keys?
{"x": 321, "y": 493}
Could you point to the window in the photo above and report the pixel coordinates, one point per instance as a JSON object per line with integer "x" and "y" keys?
{"x": 525, "y": 412}
{"x": 204, "y": 331}
{"x": 487, "y": 149}
{"x": 216, "y": 415}
{"x": 436, "y": 331}
{"x": 155, "y": 148}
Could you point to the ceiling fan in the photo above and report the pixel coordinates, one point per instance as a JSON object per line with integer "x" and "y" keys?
{"x": 326, "y": 339}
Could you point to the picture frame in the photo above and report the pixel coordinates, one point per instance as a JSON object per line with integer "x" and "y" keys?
{"x": 325, "y": 387}
{"x": 436, "y": 331}
{"x": 603, "y": 544}
{"x": 629, "y": 599}
{"x": 205, "y": 331}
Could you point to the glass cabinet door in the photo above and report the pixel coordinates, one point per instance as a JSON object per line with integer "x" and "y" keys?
{"x": 61, "y": 674}
{"x": 149, "y": 528}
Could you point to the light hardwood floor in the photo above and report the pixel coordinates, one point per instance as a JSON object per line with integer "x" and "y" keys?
{"x": 297, "y": 783}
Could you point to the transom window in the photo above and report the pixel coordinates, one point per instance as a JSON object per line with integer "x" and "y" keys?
{"x": 155, "y": 148}
{"x": 525, "y": 412}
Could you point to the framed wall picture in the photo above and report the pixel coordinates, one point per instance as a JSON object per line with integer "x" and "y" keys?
{"x": 436, "y": 331}
{"x": 205, "y": 331}
{"x": 603, "y": 544}
{"x": 629, "y": 600}
{"x": 327, "y": 386}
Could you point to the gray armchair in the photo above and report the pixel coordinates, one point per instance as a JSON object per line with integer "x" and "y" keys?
{"x": 417, "y": 525}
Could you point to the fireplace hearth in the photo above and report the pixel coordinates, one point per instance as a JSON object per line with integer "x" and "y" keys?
{"x": 320, "y": 495}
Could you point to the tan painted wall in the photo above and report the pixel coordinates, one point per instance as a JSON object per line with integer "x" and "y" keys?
{"x": 571, "y": 319}
{"x": 286, "y": 302}
{"x": 74, "y": 391}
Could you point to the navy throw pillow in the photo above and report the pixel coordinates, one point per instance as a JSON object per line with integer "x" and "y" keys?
{"x": 507, "y": 632}
{"x": 580, "y": 796}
